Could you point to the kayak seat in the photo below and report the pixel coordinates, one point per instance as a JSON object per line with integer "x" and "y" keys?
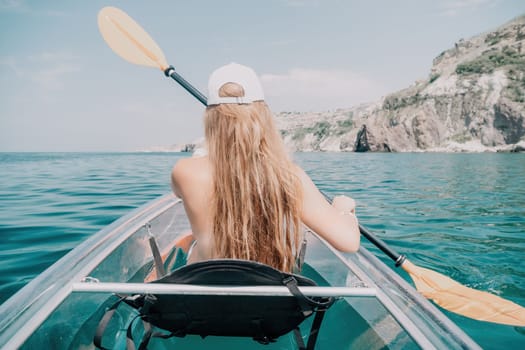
{"x": 263, "y": 318}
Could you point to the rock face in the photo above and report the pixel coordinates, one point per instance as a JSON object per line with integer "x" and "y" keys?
{"x": 473, "y": 100}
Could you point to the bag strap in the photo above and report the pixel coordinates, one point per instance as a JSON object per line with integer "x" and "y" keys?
{"x": 299, "y": 339}
{"x": 146, "y": 337}
{"x": 306, "y": 303}
{"x": 314, "y": 331}
{"x": 308, "y": 306}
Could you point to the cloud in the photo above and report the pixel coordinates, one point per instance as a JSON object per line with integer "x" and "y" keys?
{"x": 53, "y": 77}
{"x": 12, "y": 4}
{"x": 54, "y": 13}
{"x": 53, "y": 68}
{"x": 303, "y": 89}
{"x": 300, "y": 3}
{"x": 454, "y": 7}
{"x": 57, "y": 56}
{"x": 49, "y": 69}
{"x": 7, "y": 61}
{"x": 7, "y": 67}
{"x": 281, "y": 43}
{"x": 21, "y": 6}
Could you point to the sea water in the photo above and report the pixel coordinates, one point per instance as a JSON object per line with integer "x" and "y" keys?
{"x": 462, "y": 215}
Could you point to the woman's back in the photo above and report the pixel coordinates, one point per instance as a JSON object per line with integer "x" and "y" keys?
{"x": 192, "y": 180}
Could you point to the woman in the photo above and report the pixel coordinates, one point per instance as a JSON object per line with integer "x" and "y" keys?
{"x": 246, "y": 199}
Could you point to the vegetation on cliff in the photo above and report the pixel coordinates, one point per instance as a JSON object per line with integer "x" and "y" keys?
{"x": 472, "y": 100}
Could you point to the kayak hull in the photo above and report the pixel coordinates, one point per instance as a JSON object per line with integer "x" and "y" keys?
{"x": 50, "y": 312}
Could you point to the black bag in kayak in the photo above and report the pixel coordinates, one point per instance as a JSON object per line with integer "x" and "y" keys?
{"x": 263, "y": 318}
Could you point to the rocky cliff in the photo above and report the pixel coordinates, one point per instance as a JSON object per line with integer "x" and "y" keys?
{"x": 472, "y": 100}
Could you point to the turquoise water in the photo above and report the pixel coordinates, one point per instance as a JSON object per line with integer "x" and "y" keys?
{"x": 462, "y": 215}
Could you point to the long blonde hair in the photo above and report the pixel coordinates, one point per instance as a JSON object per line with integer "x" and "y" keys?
{"x": 256, "y": 201}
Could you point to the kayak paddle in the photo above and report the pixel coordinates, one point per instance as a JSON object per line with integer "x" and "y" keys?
{"x": 128, "y": 40}
{"x": 131, "y": 42}
{"x": 451, "y": 295}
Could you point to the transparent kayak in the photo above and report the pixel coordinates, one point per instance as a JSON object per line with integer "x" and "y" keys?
{"x": 61, "y": 308}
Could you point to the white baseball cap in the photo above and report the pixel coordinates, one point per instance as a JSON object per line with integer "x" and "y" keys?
{"x": 238, "y": 74}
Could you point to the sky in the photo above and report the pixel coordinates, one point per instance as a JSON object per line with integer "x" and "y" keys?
{"x": 62, "y": 88}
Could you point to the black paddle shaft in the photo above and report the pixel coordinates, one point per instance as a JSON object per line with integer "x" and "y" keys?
{"x": 392, "y": 254}
{"x": 170, "y": 72}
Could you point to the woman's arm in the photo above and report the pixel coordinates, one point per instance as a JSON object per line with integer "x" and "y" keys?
{"x": 335, "y": 223}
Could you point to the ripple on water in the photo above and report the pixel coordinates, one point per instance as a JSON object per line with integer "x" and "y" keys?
{"x": 462, "y": 215}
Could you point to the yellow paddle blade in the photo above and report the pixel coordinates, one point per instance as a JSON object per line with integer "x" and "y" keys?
{"x": 462, "y": 300}
{"x": 128, "y": 39}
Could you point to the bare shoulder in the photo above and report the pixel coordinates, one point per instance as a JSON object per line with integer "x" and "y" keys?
{"x": 187, "y": 166}
{"x": 189, "y": 172}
